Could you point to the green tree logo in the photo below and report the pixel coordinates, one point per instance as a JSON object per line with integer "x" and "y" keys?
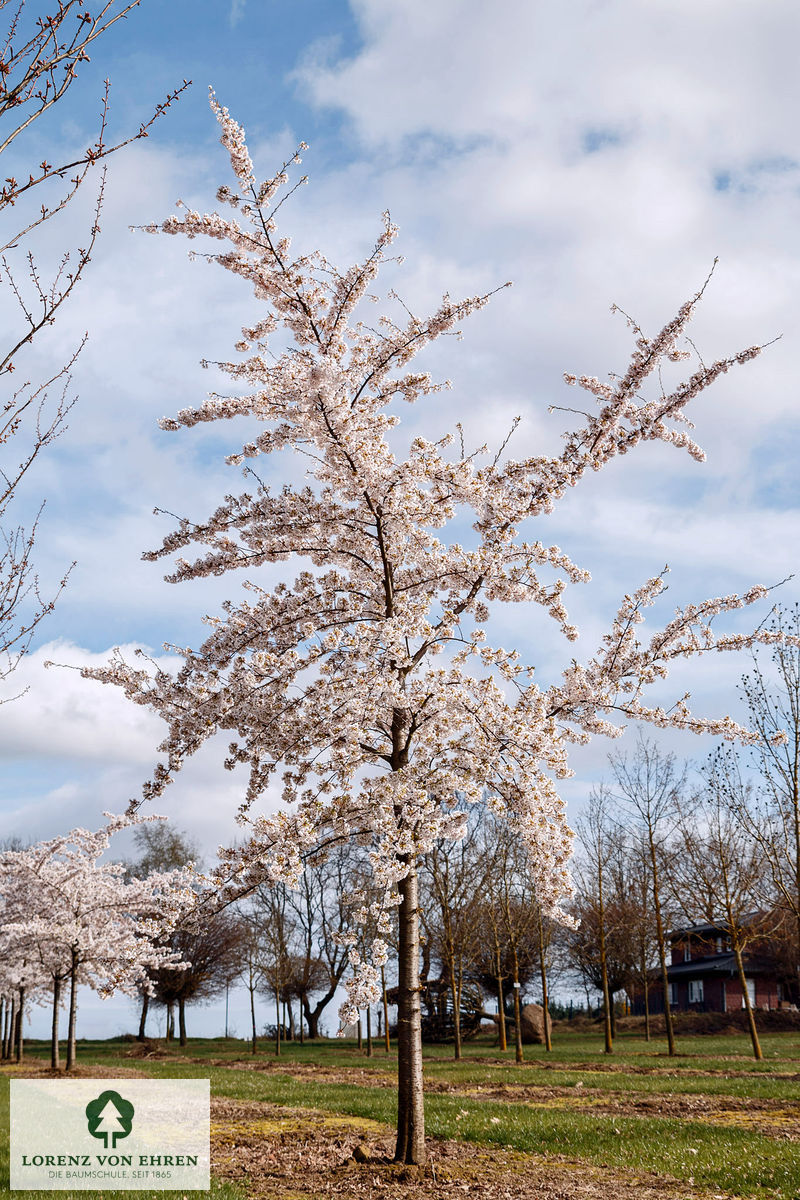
{"x": 109, "y": 1117}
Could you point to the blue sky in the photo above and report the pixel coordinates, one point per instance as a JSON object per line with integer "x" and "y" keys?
{"x": 598, "y": 152}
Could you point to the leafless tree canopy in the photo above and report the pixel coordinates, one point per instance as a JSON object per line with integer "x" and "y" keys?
{"x": 40, "y": 57}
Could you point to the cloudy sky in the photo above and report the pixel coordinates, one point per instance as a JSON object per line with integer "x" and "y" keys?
{"x": 592, "y": 152}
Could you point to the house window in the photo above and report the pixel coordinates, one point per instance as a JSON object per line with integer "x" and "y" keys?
{"x": 751, "y": 992}
{"x": 673, "y": 995}
{"x": 687, "y": 952}
{"x": 695, "y": 991}
{"x": 719, "y": 945}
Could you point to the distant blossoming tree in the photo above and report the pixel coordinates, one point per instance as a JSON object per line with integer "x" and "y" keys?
{"x": 365, "y": 684}
{"x": 75, "y": 920}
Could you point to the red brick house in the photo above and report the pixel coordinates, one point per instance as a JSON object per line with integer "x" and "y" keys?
{"x": 703, "y": 976}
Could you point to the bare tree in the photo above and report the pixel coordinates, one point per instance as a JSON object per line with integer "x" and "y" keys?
{"x": 251, "y": 968}
{"x": 635, "y": 860}
{"x": 595, "y": 832}
{"x": 320, "y": 908}
{"x": 721, "y": 870}
{"x": 505, "y": 954}
{"x": 214, "y": 950}
{"x": 452, "y": 880}
{"x": 277, "y": 926}
{"x": 772, "y": 811}
{"x": 39, "y": 61}
{"x": 512, "y": 885}
{"x": 649, "y": 785}
{"x": 161, "y": 848}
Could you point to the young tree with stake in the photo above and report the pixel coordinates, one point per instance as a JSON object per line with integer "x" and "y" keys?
{"x": 364, "y": 685}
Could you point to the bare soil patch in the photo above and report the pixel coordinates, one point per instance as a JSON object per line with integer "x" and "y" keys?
{"x": 277, "y": 1153}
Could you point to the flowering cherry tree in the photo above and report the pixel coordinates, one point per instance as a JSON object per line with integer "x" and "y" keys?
{"x": 70, "y": 919}
{"x": 364, "y": 687}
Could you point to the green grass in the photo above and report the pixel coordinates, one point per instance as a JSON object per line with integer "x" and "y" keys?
{"x": 735, "y": 1160}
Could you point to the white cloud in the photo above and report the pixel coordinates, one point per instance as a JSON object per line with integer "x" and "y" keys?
{"x": 62, "y": 715}
{"x": 85, "y": 749}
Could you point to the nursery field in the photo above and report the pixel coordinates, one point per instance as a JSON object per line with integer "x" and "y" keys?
{"x": 710, "y": 1123}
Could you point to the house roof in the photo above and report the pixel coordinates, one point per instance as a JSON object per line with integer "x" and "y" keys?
{"x": 716, "y": 928}
{"x": 717, "y": 964}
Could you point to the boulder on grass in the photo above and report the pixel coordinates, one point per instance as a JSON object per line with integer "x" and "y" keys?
{"x": 532, "y": 1022}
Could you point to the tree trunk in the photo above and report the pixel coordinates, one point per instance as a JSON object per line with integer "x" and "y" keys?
{"x": 517, "y": 1006}
{"x": 277, "y": 1024}
{"x": 11, "y": 1010}
{"x": 182, "y": 1020}
{"x": 292, "y": 1031}
{"x": 20, "y": 1017}
{"x": 55, "y": 1062}
{"x": 360, "y": 1034}
{"x": 646, "y": 994}
{"x": 501, "y": 1012}
{"x": 2, "y": 1027}
{"x": 751, "y": 1018}
{"x": 170, "y": 1031}
{"x": 11, "y": 1017}
{"x": 73, "y": 1011}
{"x": 312, "y": 1018}
{"x": 369, "y": 1032}
{"x": 385, "y": 1012}
{"x": 548, "y": 1041}
{"x": 410, "y": 1146}
{"x": 518, "y": 1054}
{"x": 143, "y": 1018}
{"x": 313, "y": 1015}
{"x": 601, "y": 917}
{"x": 456, "y": 1009}
{"x": 662, "y": 957}
{"x": 300, "y": 1021}
{"x": 253, "y": 1016}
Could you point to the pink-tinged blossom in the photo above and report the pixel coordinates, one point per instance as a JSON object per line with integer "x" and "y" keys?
{"x": 364, "y": 685}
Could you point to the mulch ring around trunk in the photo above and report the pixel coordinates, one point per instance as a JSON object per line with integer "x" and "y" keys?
{"x": 279, "y": 1153}
{"x": 775, "y": 1118}
{"x": 40, "y": 1069}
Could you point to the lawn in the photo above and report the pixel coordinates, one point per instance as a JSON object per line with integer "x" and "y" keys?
{"x": 709, "y": 1120}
